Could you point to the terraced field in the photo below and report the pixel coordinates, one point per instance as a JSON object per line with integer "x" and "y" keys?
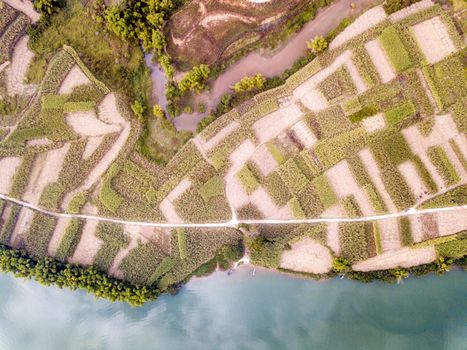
{"x": 374, "y": 126}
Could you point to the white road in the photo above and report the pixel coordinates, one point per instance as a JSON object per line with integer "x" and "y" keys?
{"x": 233, "y": 223}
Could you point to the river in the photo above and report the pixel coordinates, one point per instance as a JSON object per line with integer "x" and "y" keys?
{"x": 241, "y": 311}
{"x": 268, "y": 63}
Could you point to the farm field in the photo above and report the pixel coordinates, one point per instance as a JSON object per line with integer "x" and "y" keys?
{"x": 359, "y": 155}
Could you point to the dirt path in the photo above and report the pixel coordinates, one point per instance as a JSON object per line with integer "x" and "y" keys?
{"x": 268, "y": 63}
{"x": 233, "y": 222}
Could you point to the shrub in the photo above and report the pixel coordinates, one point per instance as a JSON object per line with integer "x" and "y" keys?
{"x": 145, "y": 262}
{"x": 396, "y": 148}
{"x": 40, "y": 232}
{"x": 77, "y": 202}
{"x": 449, "y": 80}
{"x": 375, "y": 198}
{"x": 318, "y": 44}
{"x": 377, "y": 234}
{"x": 425, "y": 175}
{"x": 395, "y": 49}
{"x": 310, "y": 201}
{"x": 51, "y": 195}
{"x": 250, "y": 83}
{"x": 443, "y": 165}
{"x": 399, "y": 113}
{"x": 194, "y": 80}
{"x": 324, "y": 191}
{"x": 164, "y": 267}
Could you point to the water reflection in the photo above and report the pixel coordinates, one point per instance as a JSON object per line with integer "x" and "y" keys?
{"x": 267, "y": 311}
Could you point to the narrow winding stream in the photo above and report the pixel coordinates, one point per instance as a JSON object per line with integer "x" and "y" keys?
{"x": 268, "y": 63}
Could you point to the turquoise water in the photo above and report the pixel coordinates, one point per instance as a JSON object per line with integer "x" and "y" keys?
{"x": 266, "y": 311}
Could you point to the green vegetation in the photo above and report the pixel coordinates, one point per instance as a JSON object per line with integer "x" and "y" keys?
{"x": 292, "y": 176}
{"x": 391, "y": 6}
{"x": 250, "y": 83}
{"x": 455, "y": 197}
{"x": 113, "y": 239}
{"x": 324, "y": 191}
{"x": 405, "y": 231}
{"x": 110, "y": 198}
{"x": 452, "y": 249}
{"x": 181, "y": 239}
{"x": 395, "y": 49}
{"x": 52, "y": 272}
{"x": 276, "y": 153}
{"x": 119, "y": 65}
{"x": 212, "y": 188}
{"x": 194, "y": 80}
{"x": 318, "y": 44}
{"x": 247, "y": 178}
{"x": 70, "y": 240}
{"x": 352, "y": 240}
{"x": 443, "y": 165}
{"x": 400, "y": 113}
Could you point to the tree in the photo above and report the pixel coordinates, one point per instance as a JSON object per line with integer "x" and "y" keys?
{"x": 157, "y": 111}
{"x": 195, "y": 79}
{"x": 399, "y": 273}
{"x": 47, "y": 7}
{"x": 341, "y": 265}
{"x": 139, "y": 109}
{"x": 164, "y": 61}
{"x": 250, "y": 83}
{"x": 318, "y": 44}
{"x": 442, "y": 265}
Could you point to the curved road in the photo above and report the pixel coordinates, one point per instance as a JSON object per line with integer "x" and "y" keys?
{"x": 232, "y": 223}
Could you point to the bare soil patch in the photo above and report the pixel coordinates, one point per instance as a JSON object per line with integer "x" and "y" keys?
{"x": 276, "y": 122}
{"x": 404, "y": 257}
{"x": 380, "y": 61}
{"x": 307, "y": 255}
{"x": 264, "y": 160}
{"x": 344, "y": 184}
{"x": 16, "y": 71}
{"x": 8, "y": 168}
{"x": 433, "y": 39}
{"x": 74, "y": 78}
